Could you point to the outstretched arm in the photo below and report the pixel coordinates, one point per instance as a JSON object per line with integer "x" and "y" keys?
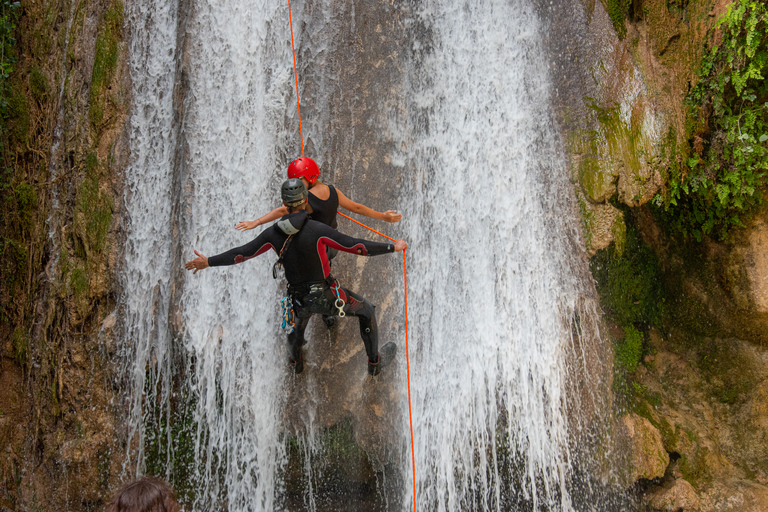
{"x": 266, "y": 240}
{"x": 245, "y": 225}
{"x": 389, "y": 215}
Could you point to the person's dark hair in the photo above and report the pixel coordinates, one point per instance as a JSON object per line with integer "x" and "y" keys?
{"x": 145, "y": 494}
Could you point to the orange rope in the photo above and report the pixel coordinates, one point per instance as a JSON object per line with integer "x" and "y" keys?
{"x": 407, "y": 358}
{"x": 296, "y": 76}
{"x": 405, "y": 275}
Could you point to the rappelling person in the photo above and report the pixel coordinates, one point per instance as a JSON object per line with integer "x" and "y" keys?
{"x": 301, "y": 245}
{"x": 324, "y": 202}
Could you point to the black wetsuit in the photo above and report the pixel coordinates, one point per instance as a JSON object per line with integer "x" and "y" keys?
{"x": 307, "y": 269}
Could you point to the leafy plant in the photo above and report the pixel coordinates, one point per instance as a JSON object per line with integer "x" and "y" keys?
{"x": 722, "y": 177}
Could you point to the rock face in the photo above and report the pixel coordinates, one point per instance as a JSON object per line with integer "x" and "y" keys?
{"x": 647, "y": 457}
{"x": 59, "y": 426}
{"x": 755, "y": 255}
{"x": 675, "y": 496}
{"x": 709, "y": 403}
{"x": 619, "y": 102}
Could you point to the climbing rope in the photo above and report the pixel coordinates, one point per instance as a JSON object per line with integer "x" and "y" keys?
{"x": 407, "y": 358}
{"x": 405, "y": 274}
{"x": 296, "y": 77}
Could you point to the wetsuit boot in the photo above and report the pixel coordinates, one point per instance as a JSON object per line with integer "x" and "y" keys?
{"x": 297, "y": 366}
{"x": 386, "y": 355}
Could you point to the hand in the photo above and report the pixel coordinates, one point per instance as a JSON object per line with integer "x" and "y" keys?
{"x": 400, "y": 245}
{"x": 245, "y": 225}
{"x": 198, "y": 263}
{"x": 392, "y": 216}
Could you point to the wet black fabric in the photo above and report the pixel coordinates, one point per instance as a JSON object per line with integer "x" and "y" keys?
{"x": 306, "y": 258}
{"x": 325, "y": 211}
{"x": 320, "y": 299}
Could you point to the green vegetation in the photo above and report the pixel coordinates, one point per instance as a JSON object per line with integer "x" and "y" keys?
{"x": 170, "y": 444}
{"x": 618, "y": 10}
{"x": 719, "y": 179}
{"x": 8, "y": 18}
{"x": 629, "y": 282}
{"x": 105, "y": 61}
{"x": 630, "y": 350}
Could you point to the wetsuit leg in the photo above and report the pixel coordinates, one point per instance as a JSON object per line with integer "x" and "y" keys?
{"x": 330, "y": 320}
{"x": 296, "y": 338}
{"x": 366, "y": 315}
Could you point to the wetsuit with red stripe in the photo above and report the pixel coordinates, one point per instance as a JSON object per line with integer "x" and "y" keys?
{"x": 307, "y": 269}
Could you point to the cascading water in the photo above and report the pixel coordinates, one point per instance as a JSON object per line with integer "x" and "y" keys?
{"x": 494, "y": 281}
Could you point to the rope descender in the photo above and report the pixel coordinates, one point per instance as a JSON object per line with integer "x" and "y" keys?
{"x": 339, "y": 301}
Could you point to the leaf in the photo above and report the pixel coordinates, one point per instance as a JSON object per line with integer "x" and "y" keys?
{"x": 763, "y": 137}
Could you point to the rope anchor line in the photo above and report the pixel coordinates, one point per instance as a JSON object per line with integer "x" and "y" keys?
{"x": 405, "y": 274}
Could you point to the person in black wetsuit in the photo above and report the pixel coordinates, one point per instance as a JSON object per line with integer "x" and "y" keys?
{"x": 324, "y": 202}
{"x": 301, "y": 244}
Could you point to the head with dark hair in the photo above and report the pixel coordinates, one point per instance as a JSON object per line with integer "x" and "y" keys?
{"x": 146, "y": 494}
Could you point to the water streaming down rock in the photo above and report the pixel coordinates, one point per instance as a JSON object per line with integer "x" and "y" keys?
{"x": 203, "y": 150}
{"x": 494, "y": 280}
{"x": 146, "y": 273}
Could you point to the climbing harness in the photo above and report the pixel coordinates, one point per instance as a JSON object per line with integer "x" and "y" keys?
{"x": 405, "y": 274}
{"x": 289, "y": 318}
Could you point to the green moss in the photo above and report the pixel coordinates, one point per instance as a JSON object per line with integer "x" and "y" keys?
{"x": 618, "y": 10}
{"x": 170, "y": 445}
{"x": 14, "y": 257}
{"x": 629, "y": 284}
{"x": 693, "y": 466}
{"x": 629, "y": 351}
{"x": 38, "y": 85}
{"x": 17, "y": 114}
{"x": 105, "y": 61}
{"x": 619, "y": 231}
{"x": 78, "y": 282}
{"x": 20, "y": 345}
{"x": 93, "y": 212}
{"x": 26, "y": 202}
{"x": 728, "y": 374}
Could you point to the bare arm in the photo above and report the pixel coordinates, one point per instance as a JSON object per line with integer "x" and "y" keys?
{"x": 245, "y": 225}
{"x": 346, "y": 203}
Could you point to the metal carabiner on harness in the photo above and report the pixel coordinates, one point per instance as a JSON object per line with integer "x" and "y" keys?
{"x": 289, "y": 323}
{"x": 339, "y": 301}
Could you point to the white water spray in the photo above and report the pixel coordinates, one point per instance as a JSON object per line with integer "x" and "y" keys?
{"x": 493, "y": 285}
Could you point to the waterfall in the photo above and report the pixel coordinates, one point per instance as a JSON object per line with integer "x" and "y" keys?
{"x": 496, "y": 284}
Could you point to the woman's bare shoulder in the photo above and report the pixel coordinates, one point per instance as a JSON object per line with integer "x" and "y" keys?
{"x": 320, "y": 190}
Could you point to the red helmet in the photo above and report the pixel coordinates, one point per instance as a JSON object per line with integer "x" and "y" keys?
{"x": 304, "y": 168}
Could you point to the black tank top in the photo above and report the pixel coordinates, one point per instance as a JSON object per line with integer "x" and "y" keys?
{"x": 325, "y": 211}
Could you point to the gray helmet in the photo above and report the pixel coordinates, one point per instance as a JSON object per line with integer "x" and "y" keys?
{"x": 293, "y": 192}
